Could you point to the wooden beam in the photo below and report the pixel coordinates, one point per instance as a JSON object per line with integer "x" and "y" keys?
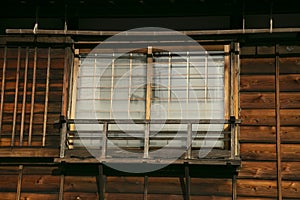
{"x": 194, "y": 32}
{"x": 3, "y": 88}
{"x": 278, "y": 138}
{"x": 16, "y": 99}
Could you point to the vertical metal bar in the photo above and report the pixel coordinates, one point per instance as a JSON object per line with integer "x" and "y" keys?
{"x": 129, "y": 83}
{"x": 169, "y": 83}
{"x": 63, "y": 135}
{"x": 46, "y": 98}
{"x": 61, "y": 187}
{"x": 16, "y": 99}
{"x": 112, "y": 85}
{"x": 104, "y": 140}
{"x": 19, "y": 185}
{"x": 101, "y": 183}
{"x": 146, "y": 187}
{"x": 32, "y": 97}
{"x": 206, "y": 77}
{"x": 24, "y": 97}
{"x": 187, "y": 182}
{"x": 146, "y": 140}
{"x": 149, "y": 83}
{"x": 278, "y": 124}
{"x": 189, "y": 141}
{"x": 187, "y": 83}
{"x": 3, "y": 88}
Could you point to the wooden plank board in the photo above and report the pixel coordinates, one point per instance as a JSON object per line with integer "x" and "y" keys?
{"x": 290, "y": 189}
{"x": 257, "y": 188}
{"x": 257, "y": 170}
{"x": 261, "y": 83}
{"x": 128, "y": 185}
{"x": 258, "y": 117}
{"x": 86, "y": 184}
{"x": 8, "y": 183}
{"x": 8, "y": 195}
{"x": 290, "y": 170}
{"x": 39, "y": 196}
{"x": 28, "y": 152}
{"x": 257, "y": 134}
{"x": 267, "y": 117}
{"x": 40, "y": 183}
{"x": 289, "y": 65}
{"x": 263, "y": 152}
{"x": 257, "y": 66}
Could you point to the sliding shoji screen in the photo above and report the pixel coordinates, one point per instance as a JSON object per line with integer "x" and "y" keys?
{"x": 163, "y": 86}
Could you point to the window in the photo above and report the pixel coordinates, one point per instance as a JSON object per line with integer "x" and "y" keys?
{"x": 153, "y": 85}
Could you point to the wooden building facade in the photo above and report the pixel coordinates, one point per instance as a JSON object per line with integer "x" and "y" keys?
{"x": 257, "y": 157}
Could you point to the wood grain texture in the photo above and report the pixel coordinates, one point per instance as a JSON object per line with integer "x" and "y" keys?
{"x": 256, "y": 188}
{"x": 259, "y": 170}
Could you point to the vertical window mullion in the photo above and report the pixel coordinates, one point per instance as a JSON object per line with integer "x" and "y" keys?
{"x": 112, "y": 85}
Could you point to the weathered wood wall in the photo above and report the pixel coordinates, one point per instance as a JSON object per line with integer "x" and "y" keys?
{"x": 258, "y": 176}
{"x": 31, "y": 99}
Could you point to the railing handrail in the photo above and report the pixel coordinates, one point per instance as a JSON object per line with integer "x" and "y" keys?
{"x": 232, "y": 120}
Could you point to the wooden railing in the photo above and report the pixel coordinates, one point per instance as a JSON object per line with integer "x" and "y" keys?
{"x": 69, "y": 135}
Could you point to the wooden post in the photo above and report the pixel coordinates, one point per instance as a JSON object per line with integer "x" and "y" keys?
{"x": 146, "y": 140}
{"x": 24, "y": 97}
{"x": 189, "y": 141}
{"x": 65, "y": 84}
{"x": 187, "y": 182}
{"x": 278, "y": 138}
{"x": 149, "y": 83}
{"x": 234, "y": 186}
{"x": 19, "y": 185}
{"x": 61, "y": 187}
{"x": 226, "y": 89}
{"x": 101, "y": 183}
{"x": 146, "y": 187}
{"x": 104, "y": 140}
{"x": 16, "y": 99}
{"x": 63, "y": 135}
{"x": 3, "y": 88}
{"x": 236, "y": 94}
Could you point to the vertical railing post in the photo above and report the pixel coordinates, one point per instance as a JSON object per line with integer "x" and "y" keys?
{"x": 189, "y": 141}
{"x": 104, "y": 140}
{"x": 232, "y": 137}
{"x": 146, "y": 140}
{"x": 63, "y": 136}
